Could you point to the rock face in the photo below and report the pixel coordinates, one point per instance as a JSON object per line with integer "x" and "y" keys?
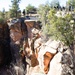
{"x": 62, "y": 64}
{"x": 5, "y": 52}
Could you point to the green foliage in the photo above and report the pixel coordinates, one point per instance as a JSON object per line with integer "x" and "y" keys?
{"x": 2, "y": 13}
{"x": 14, "y": 8}
{"x": 50, "y": 20}
{"x": 31, "y": 9}
{"x": 60, "y": 28}
{"x": 43, "y": 11}
{"x": 2, "y": 21}
{"x": 71, "y": 3}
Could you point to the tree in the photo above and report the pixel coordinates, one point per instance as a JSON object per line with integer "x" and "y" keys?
{"x": 71, "y": 4}
{"x": 14, "y": 11}
{"x": 59, "y": 28}
{"x": 46, "y": 27}
{"x": 43, "y": 11}
{"x": 2, "y": 13}
{"x": 55, "y": 27}
{"x": 55, "y": 4}
{"x": 31, "y": 9}
{"x": 7, "y": 15}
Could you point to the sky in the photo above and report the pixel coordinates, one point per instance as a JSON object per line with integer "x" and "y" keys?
{"x": 6, "y": 3}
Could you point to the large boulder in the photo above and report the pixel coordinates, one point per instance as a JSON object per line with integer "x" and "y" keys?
{"x": 62, "y": 64}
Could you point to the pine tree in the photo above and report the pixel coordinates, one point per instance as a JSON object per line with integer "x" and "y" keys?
{"x": 14, "y": 11}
